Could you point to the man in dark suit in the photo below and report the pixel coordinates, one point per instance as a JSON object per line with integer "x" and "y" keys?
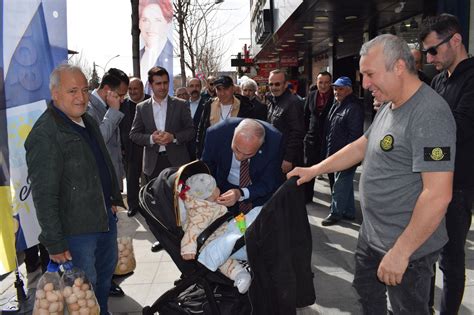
{"x": 196, "y": 105}
{"x": 132, "y": 153}
{"x": 163, "y": 125}
{"x": 235, "y": 140}
{"x": 222, "y": 107}
{"x": 316, "y": 109}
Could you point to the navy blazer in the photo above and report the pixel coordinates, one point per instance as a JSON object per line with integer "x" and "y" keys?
{"x": 265, "y": 166}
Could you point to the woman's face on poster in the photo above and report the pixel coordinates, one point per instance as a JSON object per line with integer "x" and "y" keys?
{"x": 153, "y": 25}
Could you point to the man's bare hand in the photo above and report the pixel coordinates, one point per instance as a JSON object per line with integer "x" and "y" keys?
{"x": 114, "y": 209}
{"x": 305, "y": 174}
{"x": 166, "y": 137}
{"x": 113, "y": 100}
{"x": 286, "y": 166}
{"x": 61, "y": 258}
{"x": 188, "y": 256}
{"x": 229, "y": 198}
{"x": 392, "y": 268}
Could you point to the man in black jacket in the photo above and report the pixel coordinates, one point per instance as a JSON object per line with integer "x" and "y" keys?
{"x": 443, "y": 46}
{"x": 316, "y": 108}
{"x": 132, "y": 152}
{"x": 344, "y": 124}
{"x": 286, "y": 114}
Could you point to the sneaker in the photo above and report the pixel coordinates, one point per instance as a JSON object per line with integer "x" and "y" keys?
{"x": 330, "y": 220}
{"x": 242, "y": 281}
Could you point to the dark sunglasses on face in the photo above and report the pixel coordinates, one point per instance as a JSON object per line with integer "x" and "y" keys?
{"x": 277, "y": 84}
{"x": 433, "y": 50}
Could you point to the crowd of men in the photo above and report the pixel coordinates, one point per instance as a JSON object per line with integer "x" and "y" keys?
{"x": 416, "y": 187}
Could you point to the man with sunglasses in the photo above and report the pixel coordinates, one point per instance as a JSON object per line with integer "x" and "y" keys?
{"x": 442, "y": 44}
{"x": 286, "y": 114}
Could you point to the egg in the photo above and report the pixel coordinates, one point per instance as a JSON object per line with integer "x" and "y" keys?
{"x": 72, "y": 299}
{"x": 121, "y": 247}
{"x": 75, "y": 289}
{"x": 67, "y": 291}
{"x": 90, "y": 303}
{"x": 124, "y": 260}
{"x": 73, "y": 307}
{"x": 74, "y": 313}
{"x": 40, "y": 294}
{"x": 42, "y": 311}
{"x": 81, "y": 302}
{"x": 48, "y": 286}
{"x": 51, "y": 297}
{"x": 44, "y": 304}
{"x": 54, "y": 307}
{"x": 85, "y": 287}
{"x": 84, "y": 311}
{"x": 126, "y": 252}
{"x": 89, "y": 294}
{"x": 122, "y": 267}
{"x": 81, "y": 294}
{"x": 78, "y": 282}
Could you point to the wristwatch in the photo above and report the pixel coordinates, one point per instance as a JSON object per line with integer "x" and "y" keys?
{"x": 174, "y": 139}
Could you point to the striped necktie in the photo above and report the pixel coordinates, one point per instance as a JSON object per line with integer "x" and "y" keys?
{"x": 244, "y": 182}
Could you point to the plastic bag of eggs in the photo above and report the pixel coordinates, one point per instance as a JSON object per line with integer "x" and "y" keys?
{"x": 126, "y": 259}
{"x": 48, "y": 299}
{"x": 80, "y": 298}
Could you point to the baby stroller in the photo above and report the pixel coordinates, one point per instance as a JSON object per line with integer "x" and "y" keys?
{"x": 278, "y": 245}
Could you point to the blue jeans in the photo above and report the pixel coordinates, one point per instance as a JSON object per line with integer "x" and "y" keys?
{"x": 409, "y": 297}
{"x": 452, "y": 258}
{"x": 96, "y": 254}
{"x": 342, "y": 202}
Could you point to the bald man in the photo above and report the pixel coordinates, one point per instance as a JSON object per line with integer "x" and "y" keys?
{"x": 132, "y": 153}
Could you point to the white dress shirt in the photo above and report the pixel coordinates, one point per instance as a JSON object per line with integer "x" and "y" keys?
{"x": 193, "y": 106}
{"x": 234, "y": 176}
{"x": 159, "y": 116}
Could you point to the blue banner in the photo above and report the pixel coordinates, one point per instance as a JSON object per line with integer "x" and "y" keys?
{"x": 34, "y": 41}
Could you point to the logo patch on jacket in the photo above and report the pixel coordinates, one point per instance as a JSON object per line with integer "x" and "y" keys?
{"x": 386, "y": 144}
{"x": 437, "y": 153}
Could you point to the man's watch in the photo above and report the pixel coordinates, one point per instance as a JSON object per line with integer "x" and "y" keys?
{"x": 174, "y": 139}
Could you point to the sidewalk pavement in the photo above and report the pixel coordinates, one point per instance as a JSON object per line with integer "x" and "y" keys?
{"x": 333, "y": 264}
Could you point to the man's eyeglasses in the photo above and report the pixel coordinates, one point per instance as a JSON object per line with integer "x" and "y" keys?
{"x": 433, "y": 50}
{"x": 277, "y": 84}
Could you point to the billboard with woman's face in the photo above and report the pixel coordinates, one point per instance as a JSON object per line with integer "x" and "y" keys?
{"x": 156, "y": 32}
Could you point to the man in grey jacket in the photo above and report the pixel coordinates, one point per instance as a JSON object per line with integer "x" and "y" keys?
{"x": 104, "y": 107}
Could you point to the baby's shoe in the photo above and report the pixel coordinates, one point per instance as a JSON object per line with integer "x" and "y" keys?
{"x": 242, "y": 281}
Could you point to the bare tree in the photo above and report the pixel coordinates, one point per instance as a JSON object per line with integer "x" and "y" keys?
{"x": 200, "y": 44}
{"x": 80, "y": 61}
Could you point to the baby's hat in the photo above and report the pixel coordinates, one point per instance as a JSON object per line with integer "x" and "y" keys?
{"x": 201, "y": 185}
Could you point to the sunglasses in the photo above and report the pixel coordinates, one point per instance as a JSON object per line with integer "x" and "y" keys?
{"x": 277, "y": 84}
{"x": 433, "y": 50}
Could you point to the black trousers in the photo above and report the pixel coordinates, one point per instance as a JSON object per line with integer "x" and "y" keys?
{"x": 133, "y": 169}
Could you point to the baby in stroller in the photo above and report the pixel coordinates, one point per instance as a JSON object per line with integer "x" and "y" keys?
{"x": 199, "y": 195}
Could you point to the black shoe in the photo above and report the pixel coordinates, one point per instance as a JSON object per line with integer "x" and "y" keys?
{"x": 132, "y": 211}
{"x": 115, "y": 290}
{"x": 156, "y": 247}
{"x": 330, "y": 220}
{"x": 348, "y": 217}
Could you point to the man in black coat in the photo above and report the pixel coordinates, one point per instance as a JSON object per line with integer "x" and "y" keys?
{"x": 196, "y": 105}
{"x": 132, "y": 152}
{"x": 344, "y": 124}
{"x": 286, "y": 114}
{"x": 316, "y": 109}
